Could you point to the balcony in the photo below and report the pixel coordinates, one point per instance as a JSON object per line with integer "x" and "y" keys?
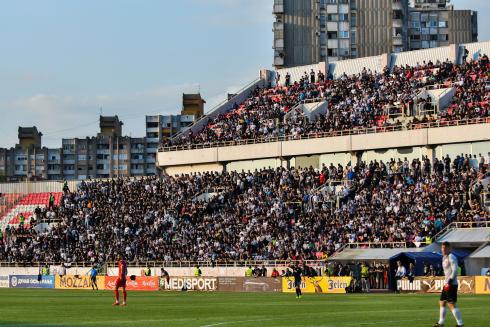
{"x": 278, "y": 9}
{"x": 397, "y": 23}
{"x": 397, "y": 40}
{"x": 278, "y": 61}
{"x": 278, "y": 26}
{"x": 397, "y": 5}
{"x": 152, "y": 140}
{"x": 152, "y": 129}
{"x": 278, "y": 44}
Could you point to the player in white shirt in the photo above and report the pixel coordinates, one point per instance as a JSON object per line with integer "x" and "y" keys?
{"x": 449, "y": 293}
{"x": 401, "y": 272}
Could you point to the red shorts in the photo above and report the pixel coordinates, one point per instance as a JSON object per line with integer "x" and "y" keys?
{"x": 120, "y": 282}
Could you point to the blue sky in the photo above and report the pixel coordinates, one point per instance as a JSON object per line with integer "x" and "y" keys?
{"x": 61, "y": 61}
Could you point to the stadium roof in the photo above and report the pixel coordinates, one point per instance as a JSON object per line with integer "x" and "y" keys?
{"x": 481, "y": 253}
{"x": 467, "y": 235}
{"x": 369, "y": 254}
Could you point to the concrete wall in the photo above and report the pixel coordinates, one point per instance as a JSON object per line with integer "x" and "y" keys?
{"x": 316, "y": 146}
{"x": 297, "y": 72}
{"x": 251, "y": 151}
{"x": 339, "y": 149}
{"x": 192, "y": 169}
{"x": 36, "y": 187}
{"x": 197, "y": 156}
{"x": 254, "y": 164}
{"x": 385, "y": 154}
{"x": 458, "y": 134}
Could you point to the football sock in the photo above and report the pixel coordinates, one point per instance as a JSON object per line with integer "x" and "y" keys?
{"x": 457, "y": 316}
{"x": 442, "y": 315}
{"x": 116, "y": 293}
{"x": 124, "y": 296}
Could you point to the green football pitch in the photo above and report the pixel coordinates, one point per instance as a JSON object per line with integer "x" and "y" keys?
{"x": 28, "y": 307}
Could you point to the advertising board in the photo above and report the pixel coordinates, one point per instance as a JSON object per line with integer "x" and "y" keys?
{"x": 482, "y": 285}
{"x": 4, "y": 281}
{"x": 74, "y": 282}
{"x": 139, "y": 284}
{"x": 31, "y": 281}
{"x": 435, "y": 285}
{"x": 332, "y": 285}
{"x": 247, "y": 284}
{"x": 189, "y": 283}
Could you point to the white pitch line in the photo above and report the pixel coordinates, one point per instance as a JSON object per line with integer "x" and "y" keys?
{"x": 240, "y": 321}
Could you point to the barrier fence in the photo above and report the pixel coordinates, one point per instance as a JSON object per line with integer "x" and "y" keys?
{"x": 318, "y": 285}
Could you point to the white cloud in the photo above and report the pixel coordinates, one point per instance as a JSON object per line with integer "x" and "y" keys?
{"x": 71, "y": 116}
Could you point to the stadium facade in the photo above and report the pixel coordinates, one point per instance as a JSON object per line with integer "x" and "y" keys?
{"x": 307, "y": 32}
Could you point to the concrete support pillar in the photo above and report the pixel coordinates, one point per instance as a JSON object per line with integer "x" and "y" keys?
{"x": 287, "y": 162}
{"x": 355, "y": 158}
{"x": 386, "y": 60}
{"x": 453, "y": 53}
{"x": 430, "y": 153}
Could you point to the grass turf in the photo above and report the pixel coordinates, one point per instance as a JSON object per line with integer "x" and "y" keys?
{"x": 38, "y": 307}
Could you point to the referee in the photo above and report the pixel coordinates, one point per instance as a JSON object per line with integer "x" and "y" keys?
{"x": 93, "y": 278}
{"x": 449, "y": 293}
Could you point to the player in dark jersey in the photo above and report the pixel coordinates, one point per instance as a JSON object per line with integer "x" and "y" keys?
{"x": 297, "y": 272}
{"x": 121, "y": 280}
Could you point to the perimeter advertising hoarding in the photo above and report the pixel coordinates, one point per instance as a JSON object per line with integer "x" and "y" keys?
{"x": 31, "y": 281}
{"x": 4, "y": 281}
{"x": 435, "y": 285}
{"x": 139, "y": 284}
{"x": 189, "y": 284}
{"x": 247, "y": 284}
{"x": 482, "y": 285}
{"x": 78, "y": 282}
{"x": 330, "y": 285}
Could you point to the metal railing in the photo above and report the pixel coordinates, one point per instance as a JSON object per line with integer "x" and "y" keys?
{"x": 463, "y": 224}
{"x": 216, "y": 107}
{"x": 384, "y": 245}
{"x": 173, "y": 264}
{"x": 345, "y": 132}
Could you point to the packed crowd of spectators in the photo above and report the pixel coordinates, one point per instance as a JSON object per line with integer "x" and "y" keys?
{"x": 289, "y": 214}
{"x": 354, "y": 102}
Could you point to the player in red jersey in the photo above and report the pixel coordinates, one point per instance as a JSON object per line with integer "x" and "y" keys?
{"x": 121, "y": 280}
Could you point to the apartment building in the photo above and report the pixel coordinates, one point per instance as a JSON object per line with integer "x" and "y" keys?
{"x": 162, "y": 127}
{"x": 106, "y": 155}
{"x": 312, "y": 31}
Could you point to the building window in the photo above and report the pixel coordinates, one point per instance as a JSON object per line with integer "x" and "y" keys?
{"x": 332, "y": 17}
{"x": 344, "y": 34}
{"x": 343, "y": 17}
{"x": 443, "y": 24}
{"x": 332, "y": 52}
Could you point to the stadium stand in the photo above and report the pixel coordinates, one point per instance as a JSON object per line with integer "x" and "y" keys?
{"x": 271, "y": 214}
{"x": 26, "y": 205}
{"x": 365, "y": 100}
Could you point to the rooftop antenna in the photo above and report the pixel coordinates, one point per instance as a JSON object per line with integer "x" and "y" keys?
{"x": 100, "y": 111}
